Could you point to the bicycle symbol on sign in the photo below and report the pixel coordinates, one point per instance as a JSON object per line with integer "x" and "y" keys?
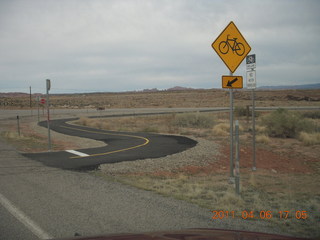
{"x": 237, "y": 47}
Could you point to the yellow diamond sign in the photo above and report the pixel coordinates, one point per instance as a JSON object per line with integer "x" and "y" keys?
{"x": 231, "y": 47}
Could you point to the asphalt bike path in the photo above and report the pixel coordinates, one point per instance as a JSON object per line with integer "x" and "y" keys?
{"x": 41, "y": 202}
{"x": 120, "y": 146}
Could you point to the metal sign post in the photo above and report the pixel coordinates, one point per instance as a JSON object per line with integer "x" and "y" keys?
{"x": 231, "y": 179}
{"x": 232, "y": 48}
{"x": 18, "y": 125}
{"x": 38, "y": 100}
{"x": 30, "y": 102}
{"x": 254, "y": 167}
{"x": 237, "y": 164}
{"x": 48, "y": 86}
{"x": 251, "y": 84}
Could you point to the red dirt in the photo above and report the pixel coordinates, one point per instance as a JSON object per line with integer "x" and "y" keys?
{"x": 265, "y": 159}
{"x": 270, "y": 160}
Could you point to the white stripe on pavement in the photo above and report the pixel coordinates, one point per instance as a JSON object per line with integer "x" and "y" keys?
{"x": 77, "y": 153}
{"x": 24, "y": 219}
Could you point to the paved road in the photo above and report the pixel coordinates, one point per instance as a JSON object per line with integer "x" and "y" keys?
{"x": 39, "y": 202}
{"x": 6, "y": 113}
{"x": 121, "y": 146}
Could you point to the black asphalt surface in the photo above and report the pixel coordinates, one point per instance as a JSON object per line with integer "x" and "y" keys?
{"x": 121, "y": 146}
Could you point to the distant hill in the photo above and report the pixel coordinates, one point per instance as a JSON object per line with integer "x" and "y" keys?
{"x": 178, "y": 88}
{"x": 305, "y": 86}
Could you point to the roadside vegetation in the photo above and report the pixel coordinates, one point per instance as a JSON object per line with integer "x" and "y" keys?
{"x": 27, "y": 141}
{"x": 269, "y": 189}
{"x": 287, "y": 124}
{"x": 30, "y": 140}
{"x": 287, "y": 156}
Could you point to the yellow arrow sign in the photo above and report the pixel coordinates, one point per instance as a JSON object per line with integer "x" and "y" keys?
{"x": 231, "y": 47}
{"x": 232, "y": 82}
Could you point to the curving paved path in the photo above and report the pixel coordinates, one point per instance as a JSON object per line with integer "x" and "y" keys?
{"x": 121, "y": 146}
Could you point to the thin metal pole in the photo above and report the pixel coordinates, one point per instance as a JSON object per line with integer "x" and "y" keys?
{"x": 18, "y": 124}
{"x": 30, "y": 101}
{"x": 237, "y": 164}
{"x": 254, "y": 168}
{"x": 231, "y": 180}
{"x": 38, "y": 99}
{"x": 48, "y": 119}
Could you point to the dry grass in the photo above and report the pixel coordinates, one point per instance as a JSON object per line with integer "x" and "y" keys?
{"x": 261, "y": 129}
{"x": 193, "y": 120}
{"x": 187, "y": 98}
{"x": 26, "y": 142}
{"x": 13, "y": 135}
{"x": 192, "y": 123}
{"x": 262, "y": 138}
{"x": 32, "y": 140}
{"x": 221, "y": 129}
{"x": 259, "y": 192}
{"x": 309, "y": 139}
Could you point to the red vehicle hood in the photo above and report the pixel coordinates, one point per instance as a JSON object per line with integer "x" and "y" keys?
{"x": 192, "y": 234}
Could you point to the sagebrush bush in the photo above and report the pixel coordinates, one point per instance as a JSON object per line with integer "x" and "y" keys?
{"x": 285, "y": 124}
{"x": 195, "y": 120}
{"x": 312, "y": 114}
{"x": 241, "y": 111}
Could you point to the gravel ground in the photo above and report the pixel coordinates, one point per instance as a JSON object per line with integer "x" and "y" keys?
{"x": 202, "y": 154}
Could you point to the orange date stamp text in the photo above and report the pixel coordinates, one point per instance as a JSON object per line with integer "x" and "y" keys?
{"x": 263, "y": 214}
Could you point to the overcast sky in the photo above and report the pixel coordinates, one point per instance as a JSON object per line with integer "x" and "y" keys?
{"x": 92, "y": 45}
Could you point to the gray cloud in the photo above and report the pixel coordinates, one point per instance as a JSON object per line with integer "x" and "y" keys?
{"x": 129, "y": 45}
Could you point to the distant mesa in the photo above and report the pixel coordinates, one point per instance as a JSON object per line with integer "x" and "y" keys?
{"x": 176, "y": 88}
{"x": 292, "y": 87}
{"x": 150, "y": 90}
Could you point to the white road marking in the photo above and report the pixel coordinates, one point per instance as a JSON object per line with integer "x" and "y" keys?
{"x": 24, "y": 219}
{"x": 77, "y": 153}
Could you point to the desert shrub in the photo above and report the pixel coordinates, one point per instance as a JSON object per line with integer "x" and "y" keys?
{"x": 262, "y": 138}
{"x": 221, "y": 129}
{"x": 242, "y": 112}
{"x": 311, "y": 114}
{"x": 261, "y": 129}
{"x": 150, "y": 129}
{"x": 195, "y": 120}
{"x": 83, "y": 121}
{"x": 309, "y": 138}
{"x": 285, "y": 124}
